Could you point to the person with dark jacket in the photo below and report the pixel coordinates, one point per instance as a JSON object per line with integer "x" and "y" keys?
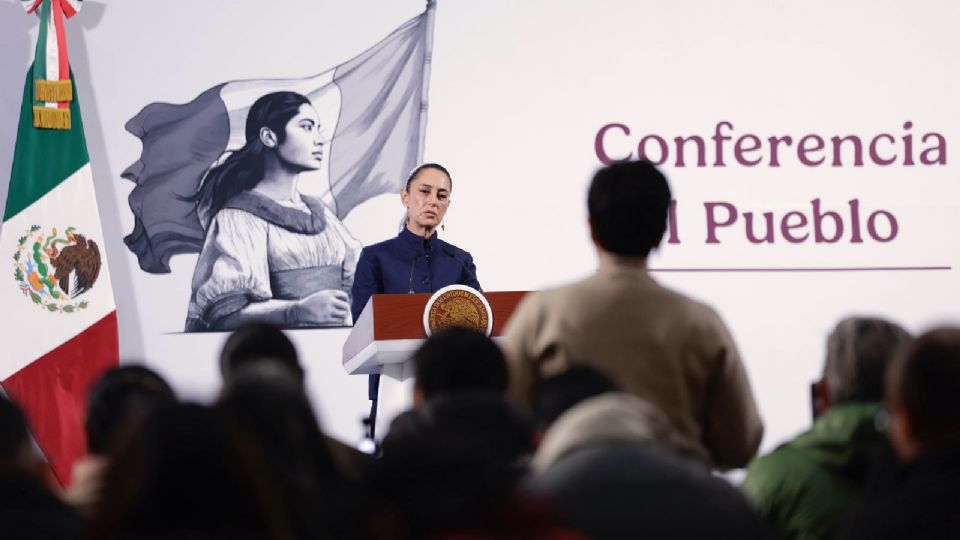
{"x": 805, "y": 488}
{"x": 116, "y": 406}
{"x": 28, "y": 509}
{"x": 609, "y": 466}
{"x": 924, "y": 410}
{"x": 257, "y": 344}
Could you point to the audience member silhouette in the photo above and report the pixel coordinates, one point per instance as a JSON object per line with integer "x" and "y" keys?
{"x": 607, "y": 465}
{"x": 457, "y": 359}
{"x": 273, "y": 413}
{"x": 657, "y": 344}
{"x": 455, "y": 476}
{"x": 582, "y": 407}
{"x": 924, "y": 429}
{"x": 28, "y": 509}
{"x": 805, "y": 488}
{"x": 454, "y": 363}
{"x": 116, "y": 405}
{"x": 258, "y": 344}
{"x": 558, "y": 393}
{"x": 191, "y": 473}
{"x": 254, "y": 343}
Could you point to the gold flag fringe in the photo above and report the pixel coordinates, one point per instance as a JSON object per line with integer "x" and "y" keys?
{"x": 49, "y": 118}
{"x": 53, "y": 91}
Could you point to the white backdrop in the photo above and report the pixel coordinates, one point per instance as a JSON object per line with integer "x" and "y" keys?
{"x": 518, "y": 92}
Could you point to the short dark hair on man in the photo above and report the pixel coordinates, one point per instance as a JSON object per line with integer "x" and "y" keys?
{"x": 456, "y": 359}
{"x": 927, "y": 382}
{"x": 559, "y": 393}
{"x": 118, "y": 401}
{"x": 628, "y": 205}
{"x": 257, "y": 342}
{"x": 858, "y": 352}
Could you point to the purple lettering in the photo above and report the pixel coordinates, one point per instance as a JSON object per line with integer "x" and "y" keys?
{"x": 786, "y": 227}
{"x": 774, "y": 144}
{"x": 642, "y": 149}
{"x": 739, "y": 151}
{"x": 838, "y": 150}
{"x": 891, "y": 223}
{"x": 751, "y": 236}
{"x": 804, "y": 149}
{"x": 713, "y": 223}
{"x": 818, "y": 236}
{"x": 701, "y": 150}
{"x": 875, "y": 156}
{"x": 673, "y": 237}
{"x": 855, "y": 237}
{"x": 940, "y": 148}
{"x": 598, "y": 144}
{"x": 907, "y": 144}
{"x": 718, "y": 139}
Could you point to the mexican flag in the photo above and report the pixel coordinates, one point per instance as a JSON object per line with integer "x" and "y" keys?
{"x": 58, "y": 315}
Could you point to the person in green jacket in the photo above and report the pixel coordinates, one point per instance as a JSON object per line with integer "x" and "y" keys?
{"x": 805, "y": 488}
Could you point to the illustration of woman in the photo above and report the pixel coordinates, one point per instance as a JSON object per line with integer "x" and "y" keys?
{"x": 271, "y": 253}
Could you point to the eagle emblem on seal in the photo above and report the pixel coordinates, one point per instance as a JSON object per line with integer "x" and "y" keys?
{"x": 458, "y": 305}
{"x": 54, "y": 269}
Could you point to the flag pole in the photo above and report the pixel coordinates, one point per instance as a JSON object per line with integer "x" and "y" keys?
{"x": 427, "y": 62}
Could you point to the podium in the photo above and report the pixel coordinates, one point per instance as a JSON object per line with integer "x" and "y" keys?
{"x": 387, "y": 333}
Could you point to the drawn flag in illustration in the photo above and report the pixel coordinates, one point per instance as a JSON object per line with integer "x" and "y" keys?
{"x": 372, "y": 112}
{"x": 58, "y": 316}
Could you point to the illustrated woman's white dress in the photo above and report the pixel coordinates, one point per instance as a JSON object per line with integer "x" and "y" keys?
{"x": 258, "y": 249}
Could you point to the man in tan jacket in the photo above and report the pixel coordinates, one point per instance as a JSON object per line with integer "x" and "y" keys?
{"x": 668, "y": 349}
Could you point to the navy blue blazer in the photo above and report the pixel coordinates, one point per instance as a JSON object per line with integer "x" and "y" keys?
{"x": 410, "y": 263}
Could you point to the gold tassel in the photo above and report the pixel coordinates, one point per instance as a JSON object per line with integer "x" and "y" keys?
{"x": 49, "y": 118}
{"x": 53, "y": 91}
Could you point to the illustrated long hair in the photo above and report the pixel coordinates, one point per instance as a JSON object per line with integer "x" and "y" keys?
{"x": 243, "y": 169}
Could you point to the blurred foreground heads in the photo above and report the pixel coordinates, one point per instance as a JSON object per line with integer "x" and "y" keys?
{"x": 450, "y": 467}
{"x": 806, "y": 488}
{"x": 117, "y": 404}
{"x": 923, "y": 400}
{"x": 28, "y": 509}
{"x": 608, "y": 464}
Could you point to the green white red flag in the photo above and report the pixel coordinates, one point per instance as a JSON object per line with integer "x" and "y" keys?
{"x": 58, "y": 310}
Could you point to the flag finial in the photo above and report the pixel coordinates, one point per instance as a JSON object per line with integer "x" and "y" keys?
{"x": 52, "y": 88}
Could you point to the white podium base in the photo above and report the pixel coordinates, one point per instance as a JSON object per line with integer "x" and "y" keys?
{"x": 396, "y": 395}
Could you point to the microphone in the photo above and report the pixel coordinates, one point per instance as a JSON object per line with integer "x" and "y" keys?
{"x": 413, "y": 266}
{"x": 447, "y": 252}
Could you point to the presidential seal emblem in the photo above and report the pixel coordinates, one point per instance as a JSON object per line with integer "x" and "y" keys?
{"x": 52, "y": 270}
{"x": 458, "y": 305}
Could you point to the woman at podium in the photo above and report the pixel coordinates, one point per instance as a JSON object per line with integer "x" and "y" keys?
{"x": 415, "y": 261}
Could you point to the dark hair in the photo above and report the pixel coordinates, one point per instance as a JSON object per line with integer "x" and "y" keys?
{"x": 188, "y": 471}
{"x": 118, "y": 402}
{"x": 271, "y": 408}
{"x": 558, "y": 393}
{"x": 858, "y": 352}
{"x": 258, "y": 342}
{"x": 453, "y": 467}
{"x": 243, "y": 169}
{"x": 628, "y": 205}
{"x": 456, "y": 359}
{"x": 14, "y": 436}
{"x": 927, "y": 381}
{"x": 421, "y": 168}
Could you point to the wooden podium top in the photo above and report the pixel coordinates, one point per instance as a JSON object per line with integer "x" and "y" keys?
{"x": 391, "y": 327}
